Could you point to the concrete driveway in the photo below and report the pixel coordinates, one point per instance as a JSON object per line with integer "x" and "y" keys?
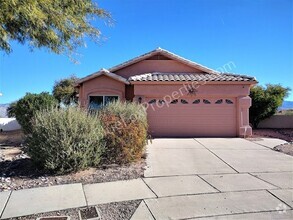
{"x": 217, "y": 178}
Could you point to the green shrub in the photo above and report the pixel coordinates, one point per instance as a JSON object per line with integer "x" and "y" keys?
{"x": 125, "y": 127}
{"x": 265, "y": 102}
{"x": 65, "y": 140}
{"x": 25, "y": 108}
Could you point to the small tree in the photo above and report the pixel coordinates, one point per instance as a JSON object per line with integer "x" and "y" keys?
{"x": 64, "y": 90}
{"x": 25, "y": 108}
{"x": 265, "y": 102}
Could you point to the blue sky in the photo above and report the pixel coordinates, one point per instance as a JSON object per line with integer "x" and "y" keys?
{"x": 256, "y": 35}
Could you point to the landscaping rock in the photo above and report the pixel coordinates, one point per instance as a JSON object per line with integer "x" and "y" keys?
{"x": 286, "y": 148}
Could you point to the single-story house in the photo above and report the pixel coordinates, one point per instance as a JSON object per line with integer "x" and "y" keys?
{"x": 183, "y": 98}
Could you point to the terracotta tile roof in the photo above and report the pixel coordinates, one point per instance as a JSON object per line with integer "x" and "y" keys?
{"x": 173, "y": 77}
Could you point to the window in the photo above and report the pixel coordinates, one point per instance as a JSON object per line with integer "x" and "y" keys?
{"x": 161, "y": 101}
{"x": 228, "y": 101}
{"x": 205, "y": 101}
{"x": 197, "y": 101}
{"x": 219, "y": 101}
{"x": 97, "y": 102}
{"x": 183, "y": 101}
{"x": 175, "y": 101}
{"x": 108, "y": 99}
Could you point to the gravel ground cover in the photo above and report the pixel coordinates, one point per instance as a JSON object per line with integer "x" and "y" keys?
{"x": 284, "y": 134}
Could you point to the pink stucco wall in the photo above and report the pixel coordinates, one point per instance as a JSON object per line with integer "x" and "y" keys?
{"x": 102, "y": 85}
{"x": 148, "y": 66}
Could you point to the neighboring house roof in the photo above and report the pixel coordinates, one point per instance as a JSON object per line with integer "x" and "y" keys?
{"x": 106, "y": 73}
{"x": 173, "y": 77}
{"x": 167, "y": 54}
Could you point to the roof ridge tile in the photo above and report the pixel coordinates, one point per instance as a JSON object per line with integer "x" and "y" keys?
{"x": 157, "y": 76}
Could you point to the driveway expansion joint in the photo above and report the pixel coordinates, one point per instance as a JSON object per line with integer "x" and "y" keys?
{"x": 150, "y": 187}
{"x": 192, "y": 174}
{"x": 210, "y": 193}
{"x": 255, "y": 142}
{"x": 149, "y": 209}
{"x": 209, "y": 183}
{"x": 280, "y": 199}
{"x": 216, "y": 155}
{"x": 234, "y": 214}
{"x": 2, "y": 211}
{"x": 260, "y": 172}
{"x": 264, "y": 180}
{"x": 85, "y": 198}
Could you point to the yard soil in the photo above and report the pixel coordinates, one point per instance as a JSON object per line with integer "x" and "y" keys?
{"x": 110, "y": 211}
{"x": 11, "y": 138}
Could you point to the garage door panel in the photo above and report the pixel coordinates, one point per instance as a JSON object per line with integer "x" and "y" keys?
{"x": 189, "y": 114}
{"x": 184, "y": 120}
{"x": 190, "y": 123}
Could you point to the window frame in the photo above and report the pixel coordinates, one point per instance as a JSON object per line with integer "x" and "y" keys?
{"x": 103, "y": 104}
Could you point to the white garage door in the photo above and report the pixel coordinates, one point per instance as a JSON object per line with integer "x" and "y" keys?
{"x": 192, "y": 117}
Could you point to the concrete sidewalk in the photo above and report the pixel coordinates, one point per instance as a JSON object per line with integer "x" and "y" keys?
{"x": 193, "y": 196}
{"x": 53, "y": 198}
{"x": 185, "y": 178}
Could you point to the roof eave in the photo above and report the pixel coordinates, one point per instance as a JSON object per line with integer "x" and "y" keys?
{"x": 102, "y": 72}
{"x": 187, "y": 82}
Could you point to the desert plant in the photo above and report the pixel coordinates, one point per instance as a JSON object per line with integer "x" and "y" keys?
{"x": 64, "y": 90}
{"x": 125, "y": 127}
{"x": 25, "y": 108}
{"x": 265, "y": 102}
{"x": 65, "y": 139}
